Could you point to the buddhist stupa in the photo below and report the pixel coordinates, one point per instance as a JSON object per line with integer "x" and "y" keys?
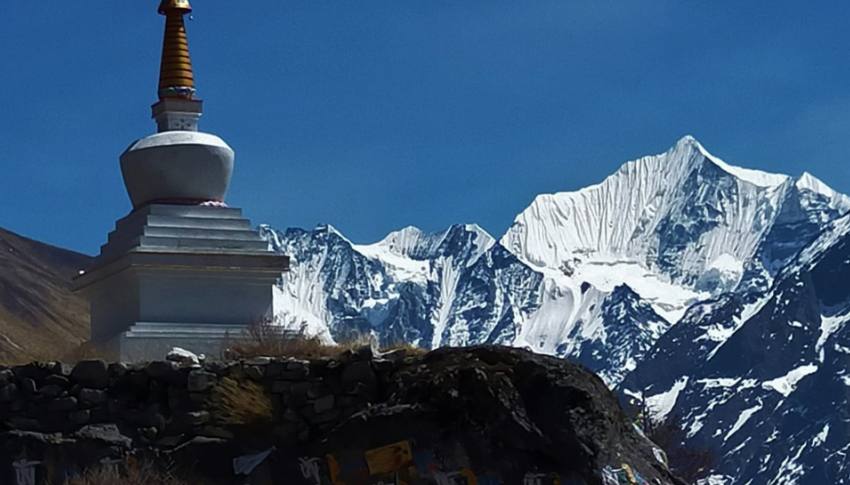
{"x": 182, "y": 269}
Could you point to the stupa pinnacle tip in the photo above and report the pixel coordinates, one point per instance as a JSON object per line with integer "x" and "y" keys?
{"x": 181, "y": 6}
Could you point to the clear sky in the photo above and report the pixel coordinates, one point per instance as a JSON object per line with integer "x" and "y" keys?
{"x": 375, "y": 115}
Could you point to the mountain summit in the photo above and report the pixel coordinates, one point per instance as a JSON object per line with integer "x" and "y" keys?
{"x": 685, "y": 215}
{"x": 599, "y": 274}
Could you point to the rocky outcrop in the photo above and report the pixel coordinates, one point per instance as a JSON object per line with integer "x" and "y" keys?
{"x": 476, "y": 415}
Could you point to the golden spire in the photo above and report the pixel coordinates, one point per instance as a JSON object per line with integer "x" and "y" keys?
{"x": 175, "y": 76}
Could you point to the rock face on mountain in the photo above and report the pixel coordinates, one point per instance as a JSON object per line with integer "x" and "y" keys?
{"x": 39, "y": 316}
{"x": 765, "y": 383}
{"x": 477, "y": 415}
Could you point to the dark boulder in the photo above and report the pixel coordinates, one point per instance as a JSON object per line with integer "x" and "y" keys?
{"x": 502, "y": 413}
{"x": 91, "y": 373}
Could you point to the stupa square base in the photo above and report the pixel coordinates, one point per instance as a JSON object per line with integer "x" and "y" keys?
{"x": 179, "y": 276}
{"x": 148, "y": 340}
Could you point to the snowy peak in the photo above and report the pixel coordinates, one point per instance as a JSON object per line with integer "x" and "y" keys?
{"x": 410, "y": 242}
{"x": 690, "y": 153}
{"x": 676, "y": 214}
{"x": 330, "y": 231}
{"x": 826, "y": 195}
{"x": 467, "y": 241}
{"x": 755, "y": 177}
{"x": 808, "y": 181}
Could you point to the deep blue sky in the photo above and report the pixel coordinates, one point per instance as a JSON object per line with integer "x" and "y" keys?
{"x": 375, "y": 115}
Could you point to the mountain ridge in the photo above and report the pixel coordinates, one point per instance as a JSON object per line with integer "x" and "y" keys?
{"x": 622, "y": 214}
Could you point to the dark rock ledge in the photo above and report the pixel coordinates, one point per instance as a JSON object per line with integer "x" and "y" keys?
{"x": 483, "y": 415}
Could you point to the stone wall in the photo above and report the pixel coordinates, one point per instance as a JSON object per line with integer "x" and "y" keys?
{"x": 480, "y": 415}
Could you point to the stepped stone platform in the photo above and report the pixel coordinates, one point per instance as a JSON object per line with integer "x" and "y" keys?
{"x": 179, "y": 275}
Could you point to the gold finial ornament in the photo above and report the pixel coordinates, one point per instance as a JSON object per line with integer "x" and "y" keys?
{"x": 174, "y": 5}
{"x": 176, "y": 79}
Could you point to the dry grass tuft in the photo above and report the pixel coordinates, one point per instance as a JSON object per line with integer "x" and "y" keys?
{"x": 145, "y": 473}
{"x": 270, "y": 340}
{"x": 264, "y": 339}
{"x": 235, "y": 403}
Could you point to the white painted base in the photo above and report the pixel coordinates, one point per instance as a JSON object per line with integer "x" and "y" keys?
{"x": 179, "y": 276}
{"x": 146, "y": 340}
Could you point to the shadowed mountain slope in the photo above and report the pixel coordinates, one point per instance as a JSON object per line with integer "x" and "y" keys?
{"x": 39, "y": 316}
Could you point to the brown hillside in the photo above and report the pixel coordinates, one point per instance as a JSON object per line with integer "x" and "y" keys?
{"x": 39, "y": 316}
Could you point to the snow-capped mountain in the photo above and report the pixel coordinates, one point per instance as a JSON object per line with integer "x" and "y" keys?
{"x": 597, "y": 275}
{"x": 684, "y": 217}
{"x": 679, "y": 277}
{"x": 765, "y": 383}
{"x": 677, "y": 228}
{"x": 456, "y": 287}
